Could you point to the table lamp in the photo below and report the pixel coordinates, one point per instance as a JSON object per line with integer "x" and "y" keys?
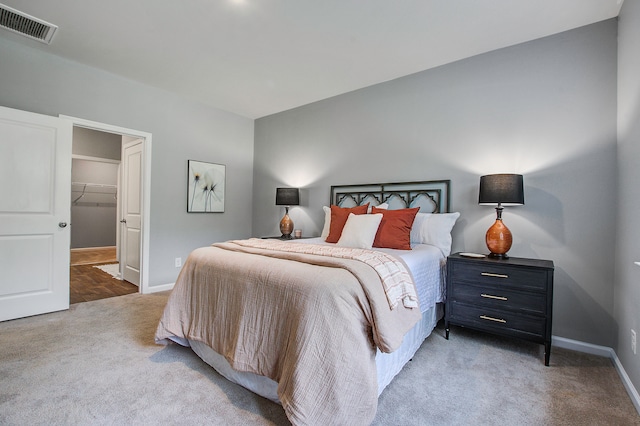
{"x": 287, "y": 197}
{"x": 501, "y": 189}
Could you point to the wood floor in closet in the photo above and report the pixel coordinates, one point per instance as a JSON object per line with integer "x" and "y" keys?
{"x": 87, "y": 283}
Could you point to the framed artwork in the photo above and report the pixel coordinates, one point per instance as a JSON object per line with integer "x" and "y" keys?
{"x": 205, "y": 187}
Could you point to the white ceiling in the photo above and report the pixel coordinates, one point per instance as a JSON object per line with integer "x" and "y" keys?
{"x": 259, "y": 57}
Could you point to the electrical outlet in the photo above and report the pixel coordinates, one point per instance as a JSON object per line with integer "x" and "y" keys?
{"x": 633, "y": 341}
{"x": 178, "y": 262}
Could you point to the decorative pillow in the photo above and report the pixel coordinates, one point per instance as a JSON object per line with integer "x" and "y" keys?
{"x": 395, "y": 228}
{"x": 327, "y": 218}
{"x": 339, "y": 216}
{"x": 434, "y": 229}
{"x": 359, "y": 231}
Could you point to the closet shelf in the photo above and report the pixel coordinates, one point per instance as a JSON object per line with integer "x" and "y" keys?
{"x": 96, "y": 190}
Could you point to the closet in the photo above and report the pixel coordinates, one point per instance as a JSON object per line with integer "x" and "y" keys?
{"x": 95, "y": 169}
{"x": 94, "y": 189}
{"x": 94, "y": 203}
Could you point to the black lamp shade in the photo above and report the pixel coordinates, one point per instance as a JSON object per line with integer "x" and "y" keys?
{"x": 287, "y": 197}
{"x": 506, "y": 189}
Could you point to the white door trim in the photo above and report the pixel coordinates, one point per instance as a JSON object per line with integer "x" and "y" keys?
{"x": 146, "y": 186}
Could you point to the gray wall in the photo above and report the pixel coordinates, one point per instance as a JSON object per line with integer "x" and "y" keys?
{"x": 627, "y": 290}
{"x": 546, "y": 109}
{"x": 93, "y": 143}
{"x": 33, "y": 80}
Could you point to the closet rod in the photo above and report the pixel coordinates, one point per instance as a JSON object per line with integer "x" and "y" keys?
{"x": 96, "y": 185}
{"x": 93, "y": 185}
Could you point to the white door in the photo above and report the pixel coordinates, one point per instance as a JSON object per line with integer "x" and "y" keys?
{"x": 35, "y": 210}
{"x": 132, "y": 153}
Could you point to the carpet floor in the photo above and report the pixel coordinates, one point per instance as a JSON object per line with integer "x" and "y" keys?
{"x": 97, "y": 364}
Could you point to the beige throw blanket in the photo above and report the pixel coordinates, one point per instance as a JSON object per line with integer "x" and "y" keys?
{"x": 396, "y": 280}
{"x": 309, "y": 322}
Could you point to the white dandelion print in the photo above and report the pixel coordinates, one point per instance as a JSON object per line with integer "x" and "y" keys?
{"x": 206, "y": 187}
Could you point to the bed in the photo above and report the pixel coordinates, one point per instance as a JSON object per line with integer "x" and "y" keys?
{"x": 317, "y": 325}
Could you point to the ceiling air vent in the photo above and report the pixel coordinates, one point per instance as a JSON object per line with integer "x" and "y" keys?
{"x": 26, "y": 25}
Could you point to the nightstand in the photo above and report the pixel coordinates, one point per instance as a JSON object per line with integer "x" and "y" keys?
{"x": 510, "y": 297}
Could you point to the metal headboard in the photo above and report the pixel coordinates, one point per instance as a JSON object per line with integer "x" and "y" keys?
{"x": 431, "y": 196}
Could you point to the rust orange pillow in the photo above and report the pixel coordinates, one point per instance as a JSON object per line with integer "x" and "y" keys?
{"x": 339, "y": 216}
{"x": 395, "y": 228}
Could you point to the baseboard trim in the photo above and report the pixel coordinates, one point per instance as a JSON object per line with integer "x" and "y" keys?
{"x": 159, "y": 288}
{"x": 604, "y": 351}
{"x": 81, "y": 249}
{"x": 631, "y": 390}
{"x": 576, "y": 345}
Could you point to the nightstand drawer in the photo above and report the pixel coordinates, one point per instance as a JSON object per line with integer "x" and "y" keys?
{"x": 500, "y": 298}
{"x": 499, "y": 275}
{"x": 501, "y": 322}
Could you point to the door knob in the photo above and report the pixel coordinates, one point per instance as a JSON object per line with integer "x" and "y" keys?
{"x": 62, "y": 224}
{"x": 123, "y": 221}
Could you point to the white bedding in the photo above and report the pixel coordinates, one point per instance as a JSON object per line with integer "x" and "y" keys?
{"x": 426, "y": 264}
{"x": 424, "y": 261}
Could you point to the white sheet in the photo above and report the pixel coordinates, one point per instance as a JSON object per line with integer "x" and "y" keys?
{"x": 426, "y": 264}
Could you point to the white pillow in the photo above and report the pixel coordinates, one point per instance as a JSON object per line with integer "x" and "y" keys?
{"x": 327, "y": 218}
{"x": 360, "y": 230}
{"x": 434, "y": 229}
{"x": 379, "y": 206}
{"x": 327, "y": 222}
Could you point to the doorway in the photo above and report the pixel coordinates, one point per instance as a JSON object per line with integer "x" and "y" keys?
{"x": 93, "y": 275}
{"x": 140, "y": 254}
{"x": 95, "y": 199}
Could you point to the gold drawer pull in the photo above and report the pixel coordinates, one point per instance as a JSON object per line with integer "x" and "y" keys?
{"x": 489, "y": 296}
{"x": 489, "y": 274}
{"x": 484, "y": 317}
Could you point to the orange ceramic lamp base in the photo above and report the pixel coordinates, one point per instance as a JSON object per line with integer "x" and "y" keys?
{"x": 286, "y": 225}
{"x": 499, "y": 240}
